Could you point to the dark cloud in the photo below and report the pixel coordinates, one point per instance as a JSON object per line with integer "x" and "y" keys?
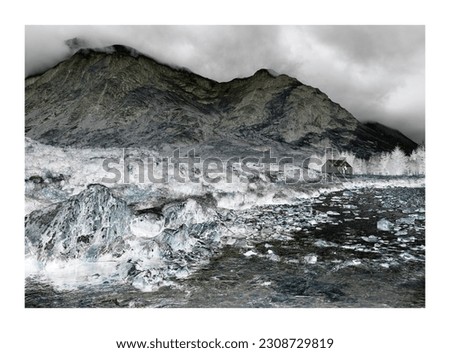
{"x": 376, "y": 72}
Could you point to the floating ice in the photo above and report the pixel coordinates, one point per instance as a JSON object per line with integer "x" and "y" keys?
{"x": 406, "y": 239}
{"x": 385, "y": 225}
{"x": 250, "y": 253}
{"x": 333, "y": 213}
{"x": 272, "y": 256}
{"x": 324, "y": 244}
{"x": 310, "y": 259}
{"x": 348, "y": 263}
{"x": 370, "y": 239}
{"x": 405, "y": 220}
{"x": 350, "y": 247}
{"x": 407, "y": 256}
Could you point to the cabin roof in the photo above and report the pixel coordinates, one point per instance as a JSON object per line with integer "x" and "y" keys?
{"x": 338, "y": 162}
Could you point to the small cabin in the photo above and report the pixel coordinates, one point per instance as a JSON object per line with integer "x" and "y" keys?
{"x": 337, "y": 166}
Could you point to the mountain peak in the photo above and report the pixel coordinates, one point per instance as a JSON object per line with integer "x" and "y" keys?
{"x": 266, "y": 72}
{"x": 113, "y": 49}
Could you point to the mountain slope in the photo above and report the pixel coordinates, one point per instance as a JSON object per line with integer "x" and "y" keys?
{"x": 118, "y": 97}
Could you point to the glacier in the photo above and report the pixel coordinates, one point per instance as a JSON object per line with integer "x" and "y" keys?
{"x": 81, "y": 232}
{"x": 98, "y": 235}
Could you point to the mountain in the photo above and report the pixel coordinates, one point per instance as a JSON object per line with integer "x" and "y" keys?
{"x": 118, "y": 97}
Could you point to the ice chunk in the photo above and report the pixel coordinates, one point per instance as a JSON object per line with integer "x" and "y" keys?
{"x": 182, "y": 272}
{"x": 87, "y": 225}
{"x": 332, "y": 213}
{"x": 407, "y": 256}
{"x": 406, "y": 239}
{"x": 231, "y": 241}
{"x": 250, "y": 253}
{"x": 95, "y": 237}
{"x": 385, "y": 225}
{"x": 187, "y": 212}
{"x": 310, "y": 259}
{"x": 348, "y": 263}
{"x": 147, "y": 225}
{"x": 324, "y": 244}
{"x": 405, "y": 220}
{"x": 180, "y": 239}
{"x": 370, "y": 239}
{"x": 272, "y": 256}
{"x": 282, "y": 237}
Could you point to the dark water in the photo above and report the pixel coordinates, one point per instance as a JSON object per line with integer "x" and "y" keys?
{"x": 342, "y": 261}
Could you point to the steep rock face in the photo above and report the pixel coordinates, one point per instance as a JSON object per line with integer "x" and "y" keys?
{"x": 389, "y": 136}
{"x": 87, "y": 225}
{"x": 118, "y": 97}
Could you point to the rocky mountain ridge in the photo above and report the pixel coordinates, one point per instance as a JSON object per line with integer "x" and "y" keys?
{"x": 118, "y": 97}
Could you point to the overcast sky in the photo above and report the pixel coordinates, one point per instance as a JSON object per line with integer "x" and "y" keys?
{"x": 375, "y": 72}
